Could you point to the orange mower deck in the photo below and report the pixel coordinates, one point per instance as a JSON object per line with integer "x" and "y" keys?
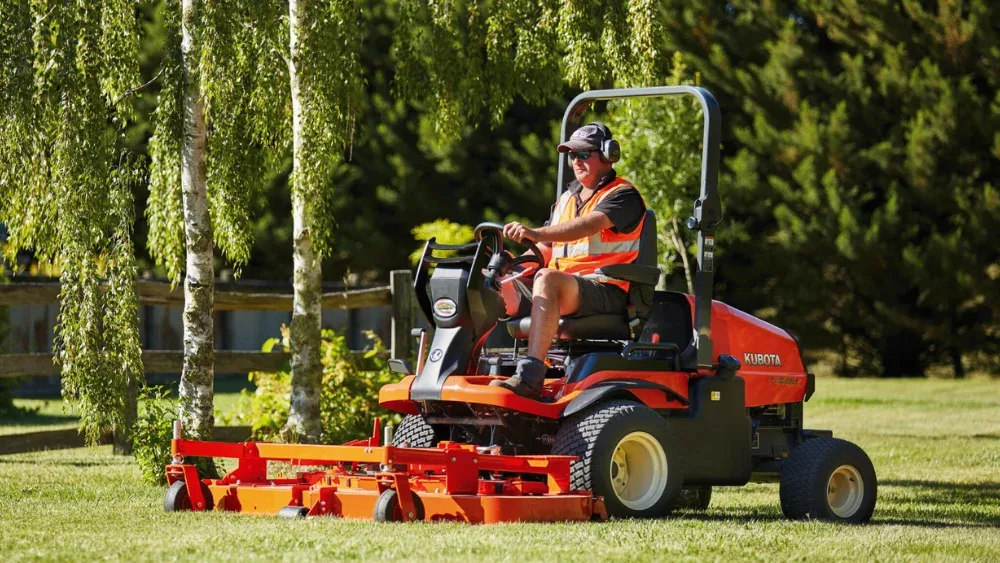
{"x": 366, "y": 480}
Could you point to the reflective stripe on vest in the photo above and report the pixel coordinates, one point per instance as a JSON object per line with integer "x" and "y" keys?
{"x": 585, "y": 256}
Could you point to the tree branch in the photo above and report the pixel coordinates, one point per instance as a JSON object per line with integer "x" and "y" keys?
{"x": 137, "y": 88}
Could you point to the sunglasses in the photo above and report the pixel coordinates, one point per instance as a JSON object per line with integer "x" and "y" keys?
{"x": 584, "y": 155}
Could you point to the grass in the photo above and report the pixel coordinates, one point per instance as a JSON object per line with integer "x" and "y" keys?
{"x": 935, "y": 445}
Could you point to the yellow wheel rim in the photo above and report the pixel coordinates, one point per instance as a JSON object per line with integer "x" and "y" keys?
{"x": 844, "y": 491}
{"x": 639, "y": 471}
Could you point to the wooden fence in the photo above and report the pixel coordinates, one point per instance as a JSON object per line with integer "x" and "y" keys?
{"x": 397, "y": 294}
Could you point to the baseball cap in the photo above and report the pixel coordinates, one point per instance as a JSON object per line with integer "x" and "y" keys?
{"x": 588, "y": 137}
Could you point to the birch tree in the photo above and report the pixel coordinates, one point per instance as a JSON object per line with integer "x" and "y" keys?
{"x": 67, "y": 70}
{"x": 325, "y": 82}
{"x": 207, "y": 158}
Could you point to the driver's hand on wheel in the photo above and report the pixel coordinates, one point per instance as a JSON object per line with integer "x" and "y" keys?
{"x": 517, "y": 232}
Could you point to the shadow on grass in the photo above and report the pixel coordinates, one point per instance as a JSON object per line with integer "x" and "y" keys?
{"x": 31, "y": 458}
{"x": 925, "y": 523}
{"x": 942, "y": 492}
{"x": 903, "y": 502}
{"x": 35, "y": 419}
{"x": 743, "y": 516}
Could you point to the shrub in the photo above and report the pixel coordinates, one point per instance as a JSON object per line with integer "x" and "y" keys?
{"x": 445, "y": 232}
{"x": 348, "y": 398}
{"x": 153, "y": 432}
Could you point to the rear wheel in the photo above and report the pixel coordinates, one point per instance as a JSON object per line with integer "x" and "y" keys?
{"x": 627, "y": 453}
{"x": 828, "y": 479}
{"x": 414, "y": 432}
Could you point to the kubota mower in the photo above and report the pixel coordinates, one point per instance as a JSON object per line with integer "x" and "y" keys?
{"x": 640, "y": 413}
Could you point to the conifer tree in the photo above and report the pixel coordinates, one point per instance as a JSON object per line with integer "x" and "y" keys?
{"x": 863, "y": 153}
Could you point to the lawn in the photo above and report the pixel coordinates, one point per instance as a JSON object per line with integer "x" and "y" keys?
{"x": 935, "y": 445}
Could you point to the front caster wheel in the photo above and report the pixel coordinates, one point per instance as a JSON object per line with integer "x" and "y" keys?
{"x": 387, "y": 507}
{"x": 178, "y": 498}
{"x": 293, "y": 512}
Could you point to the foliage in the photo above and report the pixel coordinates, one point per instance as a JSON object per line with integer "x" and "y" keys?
{"x": 241, "y": 75}
{"x": 329, "y": 82}
{"x": 660, "y": 140}
{"x": 66, "y": 72}
{"x": 445, "y": 232}
{"x": 164, "y": 210}
{"x": 153, "y": 432}
{"x": 349, "y": 393}
{"x": 468, "y": 58}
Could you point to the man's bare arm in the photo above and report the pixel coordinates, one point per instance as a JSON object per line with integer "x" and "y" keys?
{"x": 575, "y": 229}
{"x": 581, "y": 227}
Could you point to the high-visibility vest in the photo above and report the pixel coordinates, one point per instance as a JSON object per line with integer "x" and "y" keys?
{"x": 584, "y": 256}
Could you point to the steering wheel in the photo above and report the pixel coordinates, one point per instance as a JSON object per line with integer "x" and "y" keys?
{"x": 496, "y": 230}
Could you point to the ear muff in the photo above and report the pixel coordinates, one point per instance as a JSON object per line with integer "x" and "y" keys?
{"x": 609, "y": 149}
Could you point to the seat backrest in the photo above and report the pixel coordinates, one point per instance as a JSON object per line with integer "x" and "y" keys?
{"x": 647, "y": 241}
{"x": 640, "y": 297}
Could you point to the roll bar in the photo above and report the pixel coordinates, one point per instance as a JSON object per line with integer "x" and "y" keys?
{"x": 707, "y": 208}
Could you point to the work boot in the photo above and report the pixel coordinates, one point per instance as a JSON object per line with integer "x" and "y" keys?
{"x": 527, "y": 380}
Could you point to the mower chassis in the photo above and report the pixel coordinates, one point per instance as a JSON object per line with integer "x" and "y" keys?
{"x": 445, "y": 483}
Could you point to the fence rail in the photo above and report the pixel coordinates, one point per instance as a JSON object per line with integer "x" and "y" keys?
{"x": 161, "y": 361}
{"x": 65, "y": 438}
{"x": 160, "y": 293}
{"x": 397, "y": 294}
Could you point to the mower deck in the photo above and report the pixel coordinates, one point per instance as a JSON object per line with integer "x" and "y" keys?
{"x": 366, "y": 480}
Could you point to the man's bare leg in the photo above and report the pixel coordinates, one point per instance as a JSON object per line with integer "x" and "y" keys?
{"x": 554, "y": 293}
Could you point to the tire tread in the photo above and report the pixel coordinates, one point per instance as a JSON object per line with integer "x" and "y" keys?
{"x": 414, "y": 431}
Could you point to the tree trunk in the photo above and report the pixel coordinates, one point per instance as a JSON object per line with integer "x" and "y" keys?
{"x": 675, "y": 236}
{"x": 307, "y": 372}
{"x": 900, "y": 353}
{"x": 196, "y": 389}
{"x": 957, "y": 367}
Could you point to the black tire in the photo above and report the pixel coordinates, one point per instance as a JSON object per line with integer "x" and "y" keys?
{"x": 810, "y": 479}
{"x": 694, "y": 498}
{"x": 414, "y": 432}
{"x": 387, "y": 507}
{"x": 177, "y": 497}
{"x": 595, "y": 434}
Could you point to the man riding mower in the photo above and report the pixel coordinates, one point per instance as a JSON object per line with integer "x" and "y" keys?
{"x": 595, "y": 223}
{"x": 654, "y": 392}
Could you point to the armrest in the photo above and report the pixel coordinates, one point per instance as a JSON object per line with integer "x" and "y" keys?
{"x": 636, "y": 273}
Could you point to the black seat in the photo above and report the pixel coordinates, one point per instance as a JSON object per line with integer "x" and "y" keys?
{"x": 643, "y": 275}
{"x": 588, "y": 327}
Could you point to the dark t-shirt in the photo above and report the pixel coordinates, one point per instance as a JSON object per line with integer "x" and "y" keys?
{"x": 625, "y": 207}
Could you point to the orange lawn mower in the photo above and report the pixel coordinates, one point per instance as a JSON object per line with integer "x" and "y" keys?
{"x": 641, "y": 413}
